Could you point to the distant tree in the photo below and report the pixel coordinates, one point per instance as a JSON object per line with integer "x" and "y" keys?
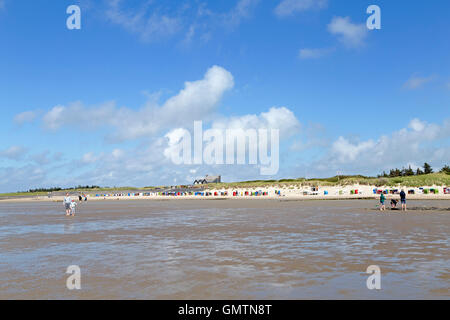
{"x": 409, "y": 172}
{"x": 419, "y": 172}
{"x": 427, "y": 168}
{"x": 446, "y": 169}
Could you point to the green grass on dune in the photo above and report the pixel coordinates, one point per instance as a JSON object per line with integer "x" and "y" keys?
{"x": 437, "y": 179}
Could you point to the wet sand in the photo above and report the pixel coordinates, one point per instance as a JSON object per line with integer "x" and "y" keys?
{"x": 223, "y": 249}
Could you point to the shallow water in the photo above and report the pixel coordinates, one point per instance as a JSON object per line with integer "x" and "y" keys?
{"x": 224, "y": 249}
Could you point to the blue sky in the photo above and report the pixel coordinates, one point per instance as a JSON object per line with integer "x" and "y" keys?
{"x": 98, "y": 105}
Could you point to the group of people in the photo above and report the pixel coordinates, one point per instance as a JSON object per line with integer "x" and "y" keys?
{"x": 393, "y": 201}
{"x": 70, "y": 204}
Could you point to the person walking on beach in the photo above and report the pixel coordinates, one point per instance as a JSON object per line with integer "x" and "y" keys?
{"x": 403, "y": 199}
{"x": 67, "y": 202}
{"x": 382, "y": 200}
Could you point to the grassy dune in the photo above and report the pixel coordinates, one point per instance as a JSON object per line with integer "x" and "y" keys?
{"x": 438, "y": 179}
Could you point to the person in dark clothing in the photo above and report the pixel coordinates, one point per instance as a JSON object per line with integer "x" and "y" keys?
{"x": 394, "y": 204}
{"x": 403, "y": 199}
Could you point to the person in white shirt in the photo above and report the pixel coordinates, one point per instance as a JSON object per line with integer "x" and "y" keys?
{"x": 67, "y": 202}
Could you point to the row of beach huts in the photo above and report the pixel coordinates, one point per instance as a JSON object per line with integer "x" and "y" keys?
{"x": 260, "y": 193}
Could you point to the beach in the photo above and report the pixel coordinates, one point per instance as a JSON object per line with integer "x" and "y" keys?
{"x": 291, "y": 192}
{"x": 221, "y": 249}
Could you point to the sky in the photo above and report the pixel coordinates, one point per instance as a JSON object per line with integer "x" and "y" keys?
{"x": 101, "y": 105}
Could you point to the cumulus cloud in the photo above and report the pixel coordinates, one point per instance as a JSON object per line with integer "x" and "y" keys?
{"x": 13, "y": 153}
{"x": 350, "y": 34}
{"x": 418, "y": 143}
{"x": 416, "y": 82}
{"x": 307, "y": 53}
{"x": 280, "y": 118}
{"x": 197, "y": 100}
{"x": 290, "y": 7}
{"x": 24, "y": 117}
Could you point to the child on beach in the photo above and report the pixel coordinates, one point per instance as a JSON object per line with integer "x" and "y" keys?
{"x": 394, "y": 204}
{"x": 73, "y": 204}
{"x": 382, "y": 200}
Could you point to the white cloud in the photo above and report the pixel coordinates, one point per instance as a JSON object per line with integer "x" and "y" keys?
{"x": 153, "y": 20}
{"x": 241, "y": 11}
{"x": 149, "y": 26}
{"x": 21, "y": 178}
{"x": 352, "y": 35}
{"x": 89, "y": 157}
{"x": 173, "y": 137}
{"x": 280, "y": 118}
{"x": 416, "y": 82}
{"x": 290, "y": 7}
{"x": 13, "y": 153}
{"x": 418, "y": 143}
{"x": 417, "y": 125}
{"x": 198, "y": 100}
{"x": 27, "y": 116}
{"x": 307, "y": 53}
